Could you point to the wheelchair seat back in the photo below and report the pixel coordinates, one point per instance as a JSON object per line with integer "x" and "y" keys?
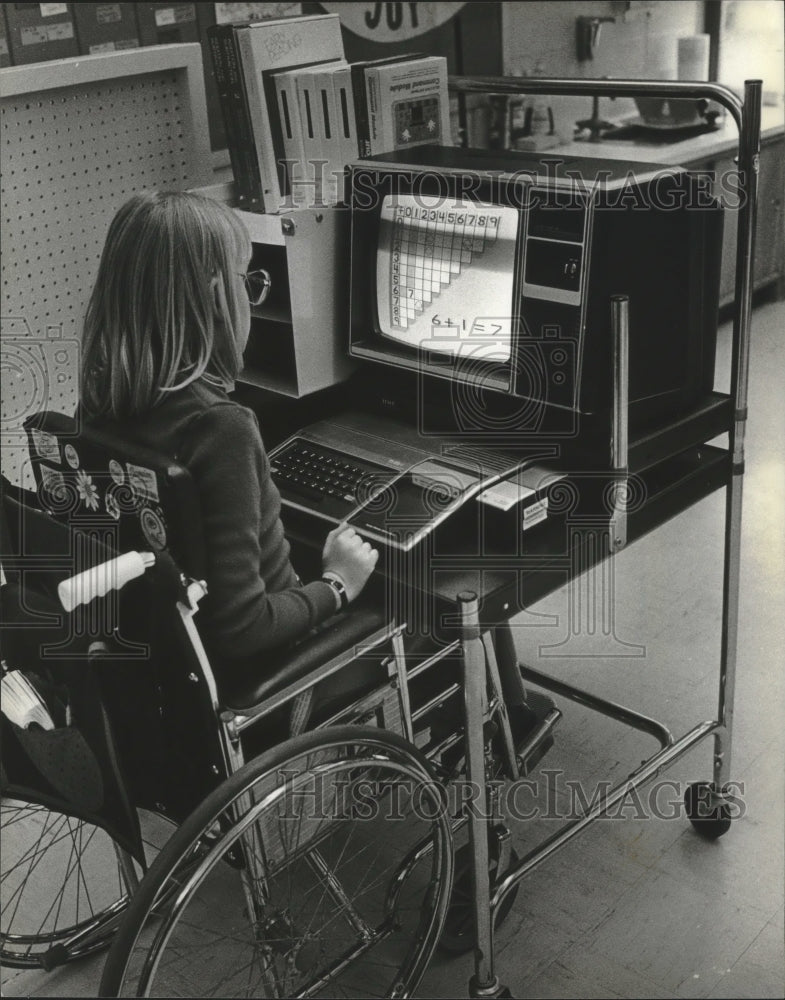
{"x": 107, "y": 496}
{"x": 130, "y": 497}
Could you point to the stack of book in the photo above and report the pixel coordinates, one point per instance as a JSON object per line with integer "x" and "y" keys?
{"x": 296, "y": 112}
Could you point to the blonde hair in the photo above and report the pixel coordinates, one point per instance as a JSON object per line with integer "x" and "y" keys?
{"x": 164, "y": 310}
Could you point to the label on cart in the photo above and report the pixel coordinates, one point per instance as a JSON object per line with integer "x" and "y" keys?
{"x": 535, "y": 513}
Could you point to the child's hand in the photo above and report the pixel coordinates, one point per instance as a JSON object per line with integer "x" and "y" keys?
{"x": 349, "y": 558}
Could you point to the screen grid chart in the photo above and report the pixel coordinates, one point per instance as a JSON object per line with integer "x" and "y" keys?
{"x": 445, "y": 275}
{"x": 430, "y": 248}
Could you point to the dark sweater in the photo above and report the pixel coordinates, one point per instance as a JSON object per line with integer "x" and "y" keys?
{"x": 255, "y": 601}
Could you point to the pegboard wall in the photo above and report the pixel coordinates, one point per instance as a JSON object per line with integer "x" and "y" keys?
{"x": 79, "y": 137}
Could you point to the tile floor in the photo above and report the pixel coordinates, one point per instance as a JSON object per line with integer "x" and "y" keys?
{"x": 639, "y": 906}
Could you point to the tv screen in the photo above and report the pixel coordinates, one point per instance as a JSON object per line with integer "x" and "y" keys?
{"x": 445, "y": 273}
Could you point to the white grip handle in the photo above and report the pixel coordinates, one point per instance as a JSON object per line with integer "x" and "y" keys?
{"x": 95, "y": 582}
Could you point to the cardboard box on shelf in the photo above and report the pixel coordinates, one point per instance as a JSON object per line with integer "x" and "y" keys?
{"x": 38, "y": 32}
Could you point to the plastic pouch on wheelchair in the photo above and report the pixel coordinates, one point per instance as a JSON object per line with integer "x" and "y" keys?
{"x": 58, "y": 746}
{"x": 42, "y": 751}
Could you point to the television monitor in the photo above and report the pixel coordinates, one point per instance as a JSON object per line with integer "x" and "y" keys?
{"x": 481, "y": 286}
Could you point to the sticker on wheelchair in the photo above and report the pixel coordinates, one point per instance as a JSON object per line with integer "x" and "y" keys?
{"x": 116, "y": 471}
{"x": 143, "y": 481}
{"x": 153, "y": 528}
{"x": 71, "y": 456}
{"x": 46, "y": 445}
{"x": 52, "y": 483}
{"x": 112, "y": 506}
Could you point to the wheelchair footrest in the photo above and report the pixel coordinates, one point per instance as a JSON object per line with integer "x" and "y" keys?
{"x": 532, "y": 724}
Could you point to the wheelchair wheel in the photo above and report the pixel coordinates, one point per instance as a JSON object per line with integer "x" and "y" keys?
{"x": 323, "y": 867}
{"x": 61, "y": 877}
{"x": 64, "y": 885}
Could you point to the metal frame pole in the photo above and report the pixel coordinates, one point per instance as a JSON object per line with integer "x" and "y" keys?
{"x": 749, "y": 165}
{"x": 484, "y": 981}
{"x": 620, "y": 334}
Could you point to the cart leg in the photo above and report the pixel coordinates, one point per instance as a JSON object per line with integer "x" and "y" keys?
{"x": 484, "y": 982}
{"x": 749, "y": 165}
{"x": 730, "y": 614}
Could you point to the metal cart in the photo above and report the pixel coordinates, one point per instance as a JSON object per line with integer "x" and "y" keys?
{"x": 483, "y": 638}
{"x": 717, "y": 468}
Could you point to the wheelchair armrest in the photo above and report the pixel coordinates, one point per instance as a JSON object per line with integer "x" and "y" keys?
{"x": 244, "y": 685}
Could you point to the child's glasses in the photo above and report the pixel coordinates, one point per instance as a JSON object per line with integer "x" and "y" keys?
{"x": 257, "y": 284}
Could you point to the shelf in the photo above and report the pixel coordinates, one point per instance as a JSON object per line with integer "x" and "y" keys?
{"x": 273, "y": 313}
{"x": 510, "y": 584}
{"x": 711, "y": 417}
{"x": 286, "y": 386}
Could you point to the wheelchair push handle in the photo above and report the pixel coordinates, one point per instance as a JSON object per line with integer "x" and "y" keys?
{"x": 99, "y": 580}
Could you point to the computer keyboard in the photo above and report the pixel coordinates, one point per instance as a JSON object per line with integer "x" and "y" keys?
{"x": 313, "y": 475}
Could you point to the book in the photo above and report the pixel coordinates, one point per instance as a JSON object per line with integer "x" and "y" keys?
{"x": 290, "y": 114}
{"x": 345, "y": 113}
{"x": 408, "y": 104}
{"x": 106, "y": 27}
{"x": 21, "y": 703}
{"x": 205, "y": 19}
{"x": 359, "y": 71}
{"x": 38, "y": 32}
{"x": 308, "y": 188}
{"x": 314, "y": 87}
{"x": 334, "y": 104}
{"x": 267, "y": 47}
{"x": 332, "y": 120}
{"x": 233, "y": 101}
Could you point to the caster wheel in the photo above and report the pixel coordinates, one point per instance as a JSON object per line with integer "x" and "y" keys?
{"x": 706, "y": 810}
{"x": 458, "y": 935}
{"x": 498, "y": 992}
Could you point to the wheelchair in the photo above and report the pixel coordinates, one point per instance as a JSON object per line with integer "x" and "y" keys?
{"x": 303, "y": 847}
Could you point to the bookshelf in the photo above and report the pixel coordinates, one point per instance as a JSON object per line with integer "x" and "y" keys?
{"x": 299, "y": 336}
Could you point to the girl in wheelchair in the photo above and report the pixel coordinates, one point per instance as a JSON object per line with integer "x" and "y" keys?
{"x": 164, "y": 335}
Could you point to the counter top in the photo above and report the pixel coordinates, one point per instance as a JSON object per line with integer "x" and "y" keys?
{"x": 722, "y": 140}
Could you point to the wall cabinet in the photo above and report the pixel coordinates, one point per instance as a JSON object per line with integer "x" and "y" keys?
{"x": 770, "y": 229}
{"x": 298, "y": 343}
{"x": 299, "y": 336}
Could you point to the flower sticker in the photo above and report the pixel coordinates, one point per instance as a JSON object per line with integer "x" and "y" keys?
{"x": 112, "y": 507}
{"x": 86, "y": 490}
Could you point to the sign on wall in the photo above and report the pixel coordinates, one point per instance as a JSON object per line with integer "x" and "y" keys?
{"x": 392, "y": 22}
{"x": 231, "y": 13}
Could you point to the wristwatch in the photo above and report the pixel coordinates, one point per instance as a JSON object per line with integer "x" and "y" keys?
{"x": 340, "y": 590}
